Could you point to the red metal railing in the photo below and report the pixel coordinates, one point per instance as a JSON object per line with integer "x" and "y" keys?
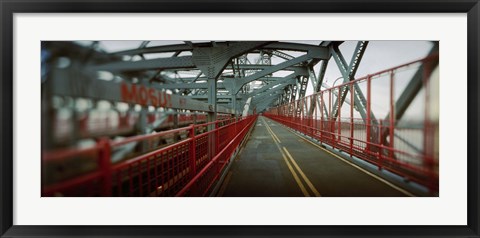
{"x": 407, "y": 147}
{"x": 185, "y": 168}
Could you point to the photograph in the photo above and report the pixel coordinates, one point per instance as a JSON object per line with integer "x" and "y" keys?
{"x": 216, "y": 118}
{"x": 236, "y": 118}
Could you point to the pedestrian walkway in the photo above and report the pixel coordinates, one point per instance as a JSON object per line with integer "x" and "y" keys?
{"x": 276, "y": 162}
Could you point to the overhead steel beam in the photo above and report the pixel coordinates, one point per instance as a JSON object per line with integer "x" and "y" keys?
{"x": 152, "y": 64}
{"x": 260, "y": 67}
{"x": 324, "y": 54}
{"x": 187, "y": 86}
{"x": 156, "y": 49}
{"x": 196, "y": 79}
{"x": 212, "y": 60}
{"x": 266, "y": 102}
{"x": 267, "y": 98}
{"x": 266, "y": 88}
{"x": 235, "y": 84}
{"x": 186, "y": 47}
{"x": 270, "y": 91}
{"x": 298, "y": 72}
{"x": 192, "y": 85}
{"x": 205, "y": 97}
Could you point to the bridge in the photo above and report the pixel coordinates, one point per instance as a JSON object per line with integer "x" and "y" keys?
{"x": 236, "y": 119}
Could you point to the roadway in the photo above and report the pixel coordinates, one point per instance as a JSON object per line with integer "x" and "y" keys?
{"x": 276, "y": 162}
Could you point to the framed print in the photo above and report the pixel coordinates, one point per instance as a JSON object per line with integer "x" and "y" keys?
{"x": 268, "y": 118}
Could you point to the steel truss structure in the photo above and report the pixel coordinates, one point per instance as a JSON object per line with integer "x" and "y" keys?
{"x": 91, "y": 94}
{"x": 208, "y": 78}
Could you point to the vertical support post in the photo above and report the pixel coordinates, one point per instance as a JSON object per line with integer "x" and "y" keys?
{"x": 330, "y": 122}
{"x": 380, "y": 146}
{"x": 212, "y": 115}
{"x": 369, "y": 123}
{"x": 302, "y": 117}
{"x": 339, "y": 117}
{"x": 392, "y": 117}
{"x": 315, "y": 97}
{"x": 322, "y": 105}
{"x": 352, "y": 126}
{"x": 175, "y": 124}
{"x": 105, "y": 166}
{"x": 309, "y": 115}
{"x": 75, "y": 122}
{"x": 217, "y": 137}
{"x": 142, "y": 128}
{"x": 234, "y": 104}
{"x": 193, "y": 153}
{"x": 427, "y": 137}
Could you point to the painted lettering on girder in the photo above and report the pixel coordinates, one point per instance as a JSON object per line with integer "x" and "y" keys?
{"x": 183, "y": 102}
{"x": 145, "y": 96}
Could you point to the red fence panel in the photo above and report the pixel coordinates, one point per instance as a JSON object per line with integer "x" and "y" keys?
{"x": 153, "y": 169}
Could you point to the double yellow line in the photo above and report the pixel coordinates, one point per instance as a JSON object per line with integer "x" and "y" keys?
{"x": 287, "y": 157}
{"x": 355, "y": 166}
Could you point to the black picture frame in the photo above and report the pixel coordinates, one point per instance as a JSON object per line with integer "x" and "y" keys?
{"x": 9, "y": 7}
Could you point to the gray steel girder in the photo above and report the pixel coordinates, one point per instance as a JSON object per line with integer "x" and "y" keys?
{"x": 346, "y": 70}
{"x": 299, "y": 47}
{"x": 321, "y": 76}
{"x": 152, "y": 64}
{"x": 193, "y": 85}
{"x": 260, "y": 67}
{"x": 156, "y": 49}
{"x": 263, "y": 98}
{"x": 212, "y": 60}
{"x": 317, "y": 85}
{"x": 300, "y": 71}
{"x": 188, "y": 86}
{"x": 235, "y": 84}
{"x": 281, "y": 83}
{"x": 271, "y": 90}
{"x": 205, "y": 97}
{"x": 266, "y": 100}
{"x": 186, "y": 47}
{"x": 266, "y": 104}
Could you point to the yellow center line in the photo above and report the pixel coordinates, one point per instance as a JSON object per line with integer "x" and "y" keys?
{"x": 271, "y": 132}
{"x": 273, "y": 136}
{"x": 309, "y": 183}
{"x": 356, "y": 166}
{"x": 292, "y": 160}
{"x": 295, "y": 176}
